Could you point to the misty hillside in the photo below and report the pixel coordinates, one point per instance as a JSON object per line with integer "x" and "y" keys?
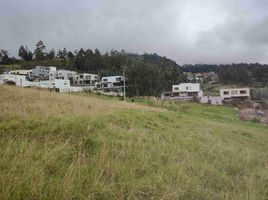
{"x": 249, "y": 74}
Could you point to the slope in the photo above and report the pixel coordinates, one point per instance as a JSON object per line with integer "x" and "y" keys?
{"x": 66, "y": 146}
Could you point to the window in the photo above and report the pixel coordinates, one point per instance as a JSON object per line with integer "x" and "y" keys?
{"x": 176, "y": 88}
{"x": 105, "y": 80}
{"x": 234, "y": 92}
{"x": 226, "y": 93}
{"x": 186, "y": 88}
{"x": 243, "y": 92}
{"x": 65, "y": 83}
{"x": 118, "y": 79}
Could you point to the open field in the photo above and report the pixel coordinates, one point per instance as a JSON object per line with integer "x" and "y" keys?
{"x": 66, "y": 146}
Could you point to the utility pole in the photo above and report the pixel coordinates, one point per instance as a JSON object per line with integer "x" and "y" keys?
{"x": 124, "y": 75}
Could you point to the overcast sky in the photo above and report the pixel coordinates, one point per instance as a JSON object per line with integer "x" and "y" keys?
{"x": 187, "y": 31}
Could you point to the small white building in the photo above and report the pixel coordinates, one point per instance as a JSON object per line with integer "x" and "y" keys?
{"x": 58, "y": 85}
{"x": 62, "y": 74}
{"x": 65, "y": 74}
{"x": 242, "y": 93}
{"x": 20, "y": 72}
{"x": 85, "y": 79}
{"x": 112, "y": 82}
{"x": 18, "y": 80}
{"x": 42, "y": 72}
{"x": 213, "y": 100}
{"x": 187, "y": 90}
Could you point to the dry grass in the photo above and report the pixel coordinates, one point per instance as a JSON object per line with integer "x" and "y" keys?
{"x": 39, "y": 104}
{"x": 64, "y": 146}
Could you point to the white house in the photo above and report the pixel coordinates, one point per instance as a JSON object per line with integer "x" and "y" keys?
{"x": 20, "y": 72}
{"x": 242, "y": 93}
{"x": 57, "y": 85}
{"x": 65, "y": 74}
{"x": 18, "y": 80}
{"x": 85, "y": 79}
{"x": 112, "y": 82}
{"x": 43, "y": 72}
{"x": 21, "y": 81}
{"x": 187, "y": 90}
{"x": 62, "y": 74}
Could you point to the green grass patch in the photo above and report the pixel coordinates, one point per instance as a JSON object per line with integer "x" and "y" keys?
{"x": 186, "y": 151}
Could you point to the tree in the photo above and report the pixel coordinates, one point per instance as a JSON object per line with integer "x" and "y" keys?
{"x": 39, "y": 51}
{"x": 80, "y": 59}
{"x": 25, "y": 53}
{"x": 22, "y": 52}
{"x": 51, "y": 54}
{"x": 98, "y": 60}
{"x": 4, "y": 53}
{"x": 70, "y": 55}
{"x": 89, "y": 60}
{"x": 62, "y": 54}
{"x": 29, "y": 54}
{"x": 5, "y": 59}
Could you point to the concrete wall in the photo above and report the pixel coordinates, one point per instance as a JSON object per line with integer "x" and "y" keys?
{"x": 204, "y": 100}
{"x": 216, "y": 100}
{"x": 76, "y": 89}
{"x": 213, "y": 100}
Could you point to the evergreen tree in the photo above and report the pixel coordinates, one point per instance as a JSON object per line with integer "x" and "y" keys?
{"x": 60, "y": 54}
{"x": 80, "y": 59}
{"x": 70, "y": 55}
{"x": 51, "y": 54}
{"x": 25, "y": 53}
{"x": 89, "y": 60}
{"x": 39, "y": 51}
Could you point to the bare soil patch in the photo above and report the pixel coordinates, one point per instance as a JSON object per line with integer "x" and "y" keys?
{"x": 254, "y": 115}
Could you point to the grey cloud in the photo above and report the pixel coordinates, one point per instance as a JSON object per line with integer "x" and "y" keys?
{"x": 188, "y": 31}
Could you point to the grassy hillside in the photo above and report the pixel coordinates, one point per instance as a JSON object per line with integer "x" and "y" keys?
{"x": 65, "y": 146}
